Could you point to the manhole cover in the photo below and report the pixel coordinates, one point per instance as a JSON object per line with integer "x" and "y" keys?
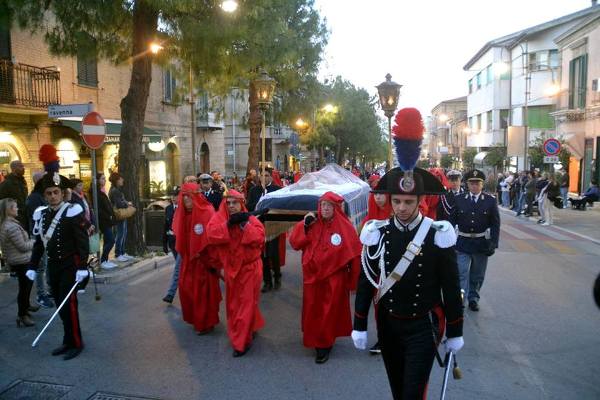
{"x": 31, "y": 390}
{"x": 114, "y": 396}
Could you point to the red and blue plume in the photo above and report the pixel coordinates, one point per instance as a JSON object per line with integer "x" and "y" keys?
{"x": 407, "y": 134}
{"x": 49, "y": 157}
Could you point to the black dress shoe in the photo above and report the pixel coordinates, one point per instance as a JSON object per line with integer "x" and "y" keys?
{"x": 473, "y": 306}
{"x": 266, "y": 288}
{"x": 72, "y": 353}
{"x": 238, "y": 353}
{"x": 62, "y": 349}
{"x": 205, "y": 332}
{"x": 168, "y": 299}
{"x": 277, "y": 284}
{"x": 322, "y": 355}
{"x": 375, "y": 349}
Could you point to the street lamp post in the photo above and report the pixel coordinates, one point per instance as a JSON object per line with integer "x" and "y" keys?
{"x": 389, "y": 92}
{"x": 265, "y": 88}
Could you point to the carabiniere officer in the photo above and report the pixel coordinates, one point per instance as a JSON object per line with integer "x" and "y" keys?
{"x": 421, "y": 301}
{"x": 60, "y": 230}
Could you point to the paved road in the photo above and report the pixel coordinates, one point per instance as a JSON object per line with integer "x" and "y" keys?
{"x": 536, "y": 337}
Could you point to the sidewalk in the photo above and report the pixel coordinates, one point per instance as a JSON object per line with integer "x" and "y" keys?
{"x": 586, "y": 223}
{"x": 124, "y": 270}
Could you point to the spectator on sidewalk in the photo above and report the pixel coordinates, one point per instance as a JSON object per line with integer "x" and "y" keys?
{"x": 564, "y": 188}
{"x": 16, "y": 248}
{"x": 522, "y": 198}
{"x": 106, "y": 221}
{"x": 589, "y": 197}
{"x": 78, "y": 197}
{"x": 169, "y": 243}
{"x": 530, "y": 190}
{"x": 117, "y": 199}
{"x": 15, "y": 187}
{"x": 547, "y": 194}
{"x": 33, "y": 201}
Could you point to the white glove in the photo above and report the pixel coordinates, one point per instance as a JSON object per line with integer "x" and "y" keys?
{"x": 454, "y": 344}
{"x": 30, "y": 274}
{"x": 81, "y": 274}
{"x": 360, "y": 339}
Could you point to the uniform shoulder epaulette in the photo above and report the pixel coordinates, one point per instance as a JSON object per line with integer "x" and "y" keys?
{"x": 370, "y": 233}
{"x": 37, "y": 214}
{"x": 73, "y": 210}
{"x": 445, "y": 236}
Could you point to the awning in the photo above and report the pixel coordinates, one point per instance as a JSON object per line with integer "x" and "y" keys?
{"x": 479, "y": 157}
{"x": 113, "y": 130}
{"x": 576, "y": 144}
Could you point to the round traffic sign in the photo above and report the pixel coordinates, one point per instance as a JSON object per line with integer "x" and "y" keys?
{"x": 93, "y": 130}
{"x": 551, "y": 147}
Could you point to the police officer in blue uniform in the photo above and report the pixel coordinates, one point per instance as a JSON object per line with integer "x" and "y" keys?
{"x": 447, "y": 200}
{"x": 476, "y": 215}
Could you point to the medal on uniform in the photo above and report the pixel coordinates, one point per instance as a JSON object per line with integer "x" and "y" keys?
{"x": 336, "y": 239}
{"x": 198, "y": 229}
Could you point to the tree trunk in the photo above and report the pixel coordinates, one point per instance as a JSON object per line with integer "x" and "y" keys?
{"x": 338, "y": 150}
{"x": 133, "y": 111}
{"x": 255, "y": 126}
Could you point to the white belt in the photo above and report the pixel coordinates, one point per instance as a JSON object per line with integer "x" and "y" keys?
{"x": 473, "y": 235}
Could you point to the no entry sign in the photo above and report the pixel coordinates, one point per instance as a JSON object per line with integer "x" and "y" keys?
{"x": 93, "y": 130}
{"x": 551, "y": 147}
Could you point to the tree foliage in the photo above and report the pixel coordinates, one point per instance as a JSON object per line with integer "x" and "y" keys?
{"x": 286, "y": 37}
{"x": 468, "y": 156}
{"x": 446, "y": 161}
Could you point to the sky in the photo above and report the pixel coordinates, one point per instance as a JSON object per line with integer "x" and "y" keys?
{"x": 423, "y": 44}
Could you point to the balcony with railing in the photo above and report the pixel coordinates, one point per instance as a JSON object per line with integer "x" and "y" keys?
{"x": 28, "y": 86}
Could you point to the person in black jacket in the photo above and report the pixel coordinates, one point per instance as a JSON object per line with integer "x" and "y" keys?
{"x": 66, "y": 245}
{"x": 117, "y": 199}
{"x": 169, "y": 244}
{"x": 106, "y": 221}
{"x": 15, "y": 187}
{"x": 416, "y": 294}
{"x": 208, "y": 189}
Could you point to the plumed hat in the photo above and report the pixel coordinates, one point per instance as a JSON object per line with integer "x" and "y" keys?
{"x": 54, "y": 179}
{"x": 406, "y": 178}
{"x": 49, "y": 158}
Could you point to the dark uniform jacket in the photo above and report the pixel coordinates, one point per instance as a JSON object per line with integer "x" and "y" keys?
{"x": 256, "y": 192}
{"x": 446, "y": 204}
{"x": 432, "y": 273}
{"x": 476, "y": 218}
{"x": 214, "y": 197}
{"x": 69, "y": 245}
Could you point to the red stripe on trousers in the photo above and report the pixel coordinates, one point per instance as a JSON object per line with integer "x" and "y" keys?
{"x": 74, "y": 320}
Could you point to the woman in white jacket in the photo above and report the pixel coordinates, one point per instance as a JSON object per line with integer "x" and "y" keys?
{"x": 16, "y": 249}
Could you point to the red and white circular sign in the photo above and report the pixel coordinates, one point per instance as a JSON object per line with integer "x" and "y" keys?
{"x": 93, "y": 130}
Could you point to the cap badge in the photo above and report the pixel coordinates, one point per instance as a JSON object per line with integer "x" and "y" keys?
{"x": 56, "y": 179}
{"x": 407, "y": 184}
{"x": 475, "y": 173}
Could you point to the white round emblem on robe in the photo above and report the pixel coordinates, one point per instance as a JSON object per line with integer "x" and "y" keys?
{"x": 336, "y": 239}
{"x": 198, "y": 229}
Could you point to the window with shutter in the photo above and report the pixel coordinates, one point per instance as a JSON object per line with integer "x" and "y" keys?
{"x": 87, "y": 64}
{"x": 577, "y": 82}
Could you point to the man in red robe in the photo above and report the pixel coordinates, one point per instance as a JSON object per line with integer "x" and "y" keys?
{"x": 330, "y": 266}
{"x": 199, "y": 291}
{"x": 239, "y": 237}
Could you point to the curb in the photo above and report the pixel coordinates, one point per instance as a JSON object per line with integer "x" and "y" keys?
{"x": 122, "y": 274}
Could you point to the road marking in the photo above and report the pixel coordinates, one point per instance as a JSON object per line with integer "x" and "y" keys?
{"x": 511, "y": 230}
{"x": 562, "y": 248}
{"x": 591, "y": 239}
{"x": 548, "y": 232}
{"x": 147, "y": 276}
{"x": 524, "y": 247}
{"x": 524, "y": 364}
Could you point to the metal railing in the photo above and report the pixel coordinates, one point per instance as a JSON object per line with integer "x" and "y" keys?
{"x": 26, "y": 85}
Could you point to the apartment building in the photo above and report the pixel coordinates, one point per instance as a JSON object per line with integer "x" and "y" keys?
{"x": 447, "y": 130}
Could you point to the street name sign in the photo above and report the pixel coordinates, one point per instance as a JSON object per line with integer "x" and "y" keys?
{"x": 93, "y": 130}
{"x": 551, "y": 160}
{"x": 69, "y": 110}
{"x": 551, "y": 147}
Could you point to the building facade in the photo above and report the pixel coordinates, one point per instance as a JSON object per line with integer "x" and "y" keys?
{"x": 447, "y": 135}
{"x": 578, "y": 103}
{"x": 512, "y": 84}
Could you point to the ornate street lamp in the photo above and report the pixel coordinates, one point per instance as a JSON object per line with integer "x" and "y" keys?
{"x": 389, "y": 93}
{"x": 265, "y": 88}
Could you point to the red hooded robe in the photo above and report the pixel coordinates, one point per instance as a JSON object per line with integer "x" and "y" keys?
{"x": 376, "y": 212}
{"x": 429, "y": 203}
{"x": 239, "y": 248}
{"x": 199, "y": 291}
{"x": 330, "y": 266}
